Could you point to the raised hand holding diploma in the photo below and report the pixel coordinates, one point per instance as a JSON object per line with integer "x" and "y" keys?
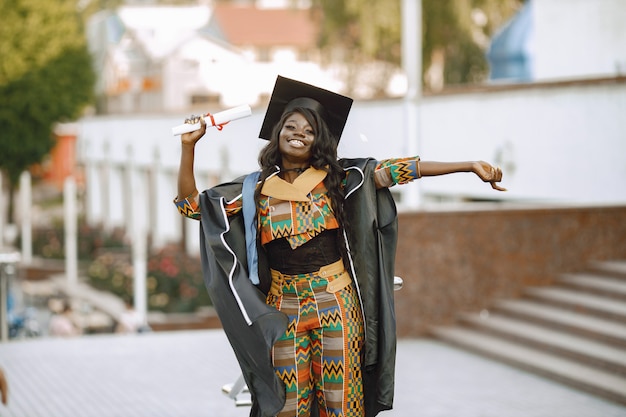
{"x": 193, "y": 136}
{"x": 217, "y": 120}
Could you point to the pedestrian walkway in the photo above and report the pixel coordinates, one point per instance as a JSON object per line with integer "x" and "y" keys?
{"x": 180, "y": 374}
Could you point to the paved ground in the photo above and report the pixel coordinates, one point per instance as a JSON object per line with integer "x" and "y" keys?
{"x": 181, "y": 374}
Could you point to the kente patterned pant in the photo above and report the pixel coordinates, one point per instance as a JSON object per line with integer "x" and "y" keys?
{"x": 319, "y": 356}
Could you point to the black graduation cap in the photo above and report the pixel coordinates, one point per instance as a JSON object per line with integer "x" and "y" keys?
{"x": 289, "y": 94}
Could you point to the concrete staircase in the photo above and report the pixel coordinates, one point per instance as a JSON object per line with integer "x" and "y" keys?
{"x": 573, "y": 332}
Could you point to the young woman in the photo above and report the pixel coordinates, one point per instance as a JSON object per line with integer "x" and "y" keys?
{"x": 298, "y": 259}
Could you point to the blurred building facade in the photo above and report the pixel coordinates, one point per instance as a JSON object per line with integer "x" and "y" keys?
{"x": 559, "y": 136}
{"x": 173, "y": 58}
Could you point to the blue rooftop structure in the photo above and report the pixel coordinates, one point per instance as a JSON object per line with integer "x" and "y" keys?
{"x": 509, "y": 56}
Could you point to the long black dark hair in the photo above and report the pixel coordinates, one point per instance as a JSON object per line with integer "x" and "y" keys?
{"x": 323, "y": 157}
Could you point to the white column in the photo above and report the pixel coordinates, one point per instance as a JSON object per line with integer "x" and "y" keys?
{"x": 412, "y": 63}
{"x": 129, "y": 198}
{"x": 140, "y": 270}
{"x": 26, "y": 203}
{"x": 153, "y": 200}
{"x": 105, "y": 187}
{"x": 136, "y": 211}
{"x": 71, "y": 230}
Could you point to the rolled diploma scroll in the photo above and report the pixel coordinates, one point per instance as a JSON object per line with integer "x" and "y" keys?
{"x": 218, "y": 119}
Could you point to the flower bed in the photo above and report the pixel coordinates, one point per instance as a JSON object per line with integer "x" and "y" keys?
{"x": 174, "y": 279}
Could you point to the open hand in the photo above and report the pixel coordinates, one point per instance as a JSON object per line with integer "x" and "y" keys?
{"x": 192, "y": 137}
{"x": 489, "y": 174}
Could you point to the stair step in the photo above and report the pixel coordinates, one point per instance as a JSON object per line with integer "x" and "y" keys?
{"x": 593, "y": 304}
{"x": 558, "y": 342}
{"x": 601, "y": 383}
{"x": 605, "y": 330}
{"x": 616, "y": 269}
{"x": 596, "y": 284}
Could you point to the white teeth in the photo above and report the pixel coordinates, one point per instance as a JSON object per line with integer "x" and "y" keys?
{"x": 296, "y": 142}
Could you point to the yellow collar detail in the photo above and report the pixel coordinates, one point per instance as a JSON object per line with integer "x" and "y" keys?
{"x": 298, "y": 190}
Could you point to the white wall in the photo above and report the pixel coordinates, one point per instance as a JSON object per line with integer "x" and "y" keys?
{"x": 566, "y": 144}
{"x": 578, "y": 38}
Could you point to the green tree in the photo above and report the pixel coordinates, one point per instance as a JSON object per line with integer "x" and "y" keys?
{"x": 358, "y": 32}
{"x": 46, "y": 76}
{"x": 455, "y": 35}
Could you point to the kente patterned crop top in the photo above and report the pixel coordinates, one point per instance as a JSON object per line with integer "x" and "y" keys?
{"x": 301, "y": 210}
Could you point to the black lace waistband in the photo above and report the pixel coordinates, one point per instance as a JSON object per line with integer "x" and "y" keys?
{"x": 320, "y": 251}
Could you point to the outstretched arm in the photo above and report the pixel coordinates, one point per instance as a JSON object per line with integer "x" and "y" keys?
{"x": 484, "y": 170}
{"x": 402, "y": 170}
{"x": 186, "y": 177}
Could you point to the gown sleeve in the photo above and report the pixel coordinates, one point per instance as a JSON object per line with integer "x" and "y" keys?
{"x": 390, "y": 172}
{"x": 190, "y": 206}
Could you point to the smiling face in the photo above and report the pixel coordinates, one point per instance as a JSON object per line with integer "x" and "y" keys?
{"x": 295, "y": 140}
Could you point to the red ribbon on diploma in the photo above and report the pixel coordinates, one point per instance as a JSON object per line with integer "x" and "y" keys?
{"x": 218, "y": 127}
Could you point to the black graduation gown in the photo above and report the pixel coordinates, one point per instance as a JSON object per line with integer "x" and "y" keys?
{"x": 253, "y": 327}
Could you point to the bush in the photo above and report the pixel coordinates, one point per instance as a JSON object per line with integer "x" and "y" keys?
{"x": 49, "y": 242}
{"x": 175, "y": 283}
